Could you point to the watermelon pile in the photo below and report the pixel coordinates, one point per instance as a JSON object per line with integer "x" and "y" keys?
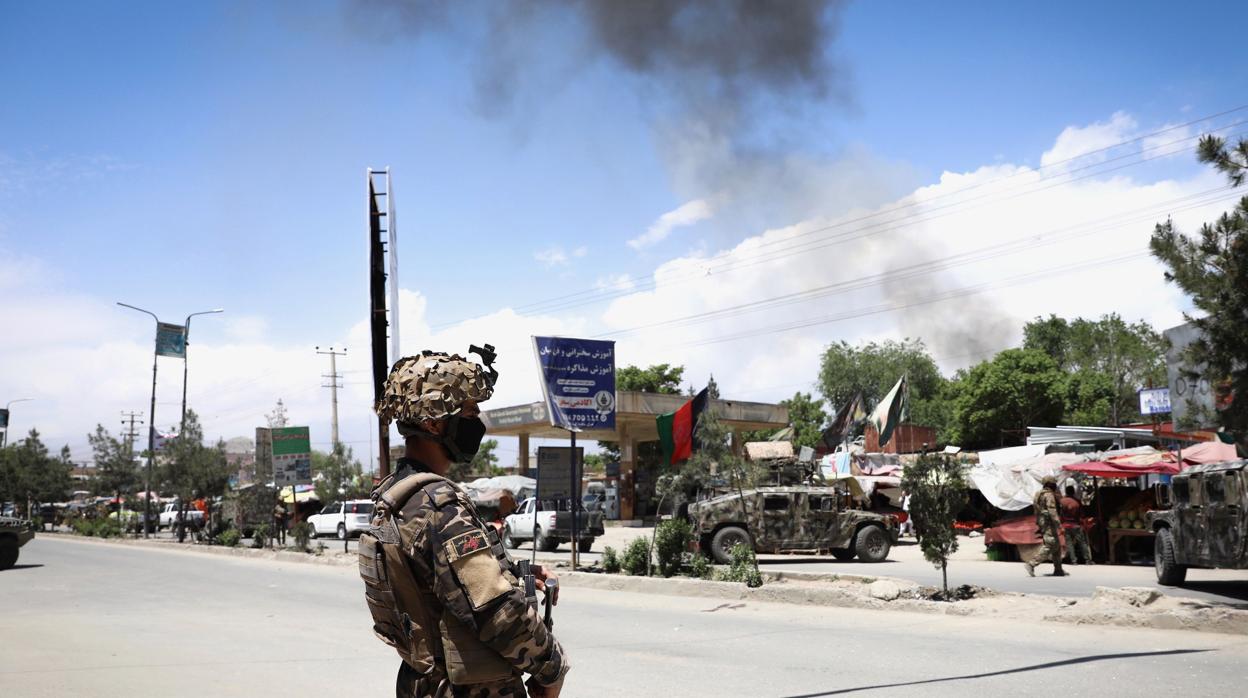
{"x": 1130, "y": 518}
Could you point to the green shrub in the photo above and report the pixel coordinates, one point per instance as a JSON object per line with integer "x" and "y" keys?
{"x": 230, "y": 537}
{"x": 636, "y": 556}
{"x": 107, "y": 528}
{"x": 741, "y": 567}
{"x": 302, "y": 533}
{"x": 610, "y": 560}
{"x": 700, "y": 567}
{"x": 260, "y": 537}
{"x": 671, "y": 540}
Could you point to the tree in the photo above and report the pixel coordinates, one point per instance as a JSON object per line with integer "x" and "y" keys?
{"x": 937, "y": 487}
{"x": 115, "y": 469}
{"x": 873, "y": 368}
{"x": 190, "y": 469}
{"x": 997, "y": 400}
{"x": 594, "y": 463}
{"x": 29, "y": 474}
{"x": 277, "y": 418}
{"x": 338, "y": 475}
{"x": 1130, "y": 356}
{"x": 1212, "y": 270}
{"x": 807, "y": 418}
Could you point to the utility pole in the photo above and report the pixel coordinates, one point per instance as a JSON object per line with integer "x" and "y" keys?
{"x": 333, "y": 386}
{"x": 129, "y": 419}
{"x": 151, "y": 427}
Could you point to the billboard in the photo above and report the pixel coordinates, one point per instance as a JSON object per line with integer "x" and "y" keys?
{"x": 171, "y": 340}
{"x": 555, "y": 479}
{"x": 1155, "y": 401}
{"x": 578, "y": 381}
{"x": 289, "y": 449}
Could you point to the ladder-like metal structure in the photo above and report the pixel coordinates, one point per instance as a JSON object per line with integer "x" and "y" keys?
{"x": 383, "y": 271}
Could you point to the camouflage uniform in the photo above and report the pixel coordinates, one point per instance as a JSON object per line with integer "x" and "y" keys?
{"x": 1048, "y": 520}
{"x": 452, "y": 552}
{"x": 440, "y": 586}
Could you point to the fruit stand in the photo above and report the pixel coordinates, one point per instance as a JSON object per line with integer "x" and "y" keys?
{"x": 1129, "y": 519}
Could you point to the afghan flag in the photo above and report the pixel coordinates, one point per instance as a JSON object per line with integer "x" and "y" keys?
{"x": 849, "y": 414}
{"x": 677, "y": 429}
{"x": 891, "y": 410}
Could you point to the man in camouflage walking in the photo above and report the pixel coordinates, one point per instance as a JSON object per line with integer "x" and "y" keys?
{"x": 441, "y": 589}
{"x": 1049, "y": 523}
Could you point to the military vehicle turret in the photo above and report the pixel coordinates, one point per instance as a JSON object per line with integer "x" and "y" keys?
{"x": 14, "y": 533}
{"x": 796, "y": 513}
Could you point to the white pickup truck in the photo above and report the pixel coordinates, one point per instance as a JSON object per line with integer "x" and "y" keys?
{"x": 169, "y": 515}
{"x": 553, "y": 526}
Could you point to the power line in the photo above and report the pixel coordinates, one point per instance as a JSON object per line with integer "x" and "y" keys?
{"x": 912, "y": 271}
{"x": 604, "y": 293}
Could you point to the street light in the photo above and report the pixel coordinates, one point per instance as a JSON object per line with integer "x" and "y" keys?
{"x": 8, "y": 419}
{"x": 186, "y": 340}
{"x": 151, "y": 428}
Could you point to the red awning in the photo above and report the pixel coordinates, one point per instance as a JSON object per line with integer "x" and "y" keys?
{"x": 1103, "y": 469}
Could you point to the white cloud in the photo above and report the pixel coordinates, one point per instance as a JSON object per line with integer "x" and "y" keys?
{"x": 1076, "y": 141}
{"x": 580, "y": 252}
{"x": 615, "y": 282}
{"x": 551, "y": 256}
{"x": 686, "y": 214}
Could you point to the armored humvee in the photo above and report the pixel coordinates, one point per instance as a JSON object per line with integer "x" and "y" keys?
{"x": 1206, "y": 524}
{"x": 791, "y": 517}
{"x": 14, "y": 533}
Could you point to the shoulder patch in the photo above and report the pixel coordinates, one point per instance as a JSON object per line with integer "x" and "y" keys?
{"x": 466, "y": 544}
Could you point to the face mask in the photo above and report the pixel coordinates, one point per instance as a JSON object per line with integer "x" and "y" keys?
{"x": 463, "y": 437}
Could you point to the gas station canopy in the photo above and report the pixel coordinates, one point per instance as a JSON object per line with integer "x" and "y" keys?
{"x": 634, "y": 417}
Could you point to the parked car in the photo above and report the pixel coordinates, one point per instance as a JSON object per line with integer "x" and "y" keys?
{"x": 169, "y": 515}
{"x": 552, "y": 526}
{"x": 331, "y": 519}
{"x": 1206, "y": 524}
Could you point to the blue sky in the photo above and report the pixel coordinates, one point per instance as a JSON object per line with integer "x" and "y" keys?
{"x": 182, "y": 156}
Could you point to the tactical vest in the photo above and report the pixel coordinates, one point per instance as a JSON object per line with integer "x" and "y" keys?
{"x": 403, "y": 611}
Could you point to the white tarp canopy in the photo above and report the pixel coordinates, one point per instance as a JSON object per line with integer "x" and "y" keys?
{"x": 519, "y": 485}
{"x": 1009, "y": 478}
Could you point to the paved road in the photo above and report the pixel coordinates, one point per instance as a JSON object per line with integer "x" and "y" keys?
{"x": 88, "y": 619}
{"x": 969, "y": 567}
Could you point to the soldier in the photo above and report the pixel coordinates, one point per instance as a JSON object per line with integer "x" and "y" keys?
{"x": 441, "y": 589}
{"x": 1072, "y": 523}
{"x": 279, "y": 521}
{"x": 1049, "y": 522}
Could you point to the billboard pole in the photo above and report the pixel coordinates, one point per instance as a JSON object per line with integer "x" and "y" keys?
{"x": 574, "y": 494}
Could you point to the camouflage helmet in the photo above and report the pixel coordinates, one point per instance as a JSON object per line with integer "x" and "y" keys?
{"x": 432, "y": 385}
{"x": 1048, "y": 481}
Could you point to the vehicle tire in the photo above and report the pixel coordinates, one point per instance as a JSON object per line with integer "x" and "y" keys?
{"x": 1169, "y": 572}
{"x": 342, "y": 531}
{"x": 843, "y": 554}
{"x": 584, "y": 545}
{"x": 509, "y": 542}
{"x": 544, "y": 544}
{"x": 9, "y": 550}
{"x": 724, "y": 540}
{"x": 871, "y": 544}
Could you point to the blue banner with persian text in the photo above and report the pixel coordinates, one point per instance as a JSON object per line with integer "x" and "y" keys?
{"x": 578, "y": 379}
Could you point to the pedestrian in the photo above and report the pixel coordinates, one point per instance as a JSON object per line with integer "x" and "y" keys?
{"x": 1072, "y": 523}
{"x": 907, "y": 526}
{"x": 279, "y": 523}
{"x": 440, "y": 586}
{"x": 1048, "y": 521}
